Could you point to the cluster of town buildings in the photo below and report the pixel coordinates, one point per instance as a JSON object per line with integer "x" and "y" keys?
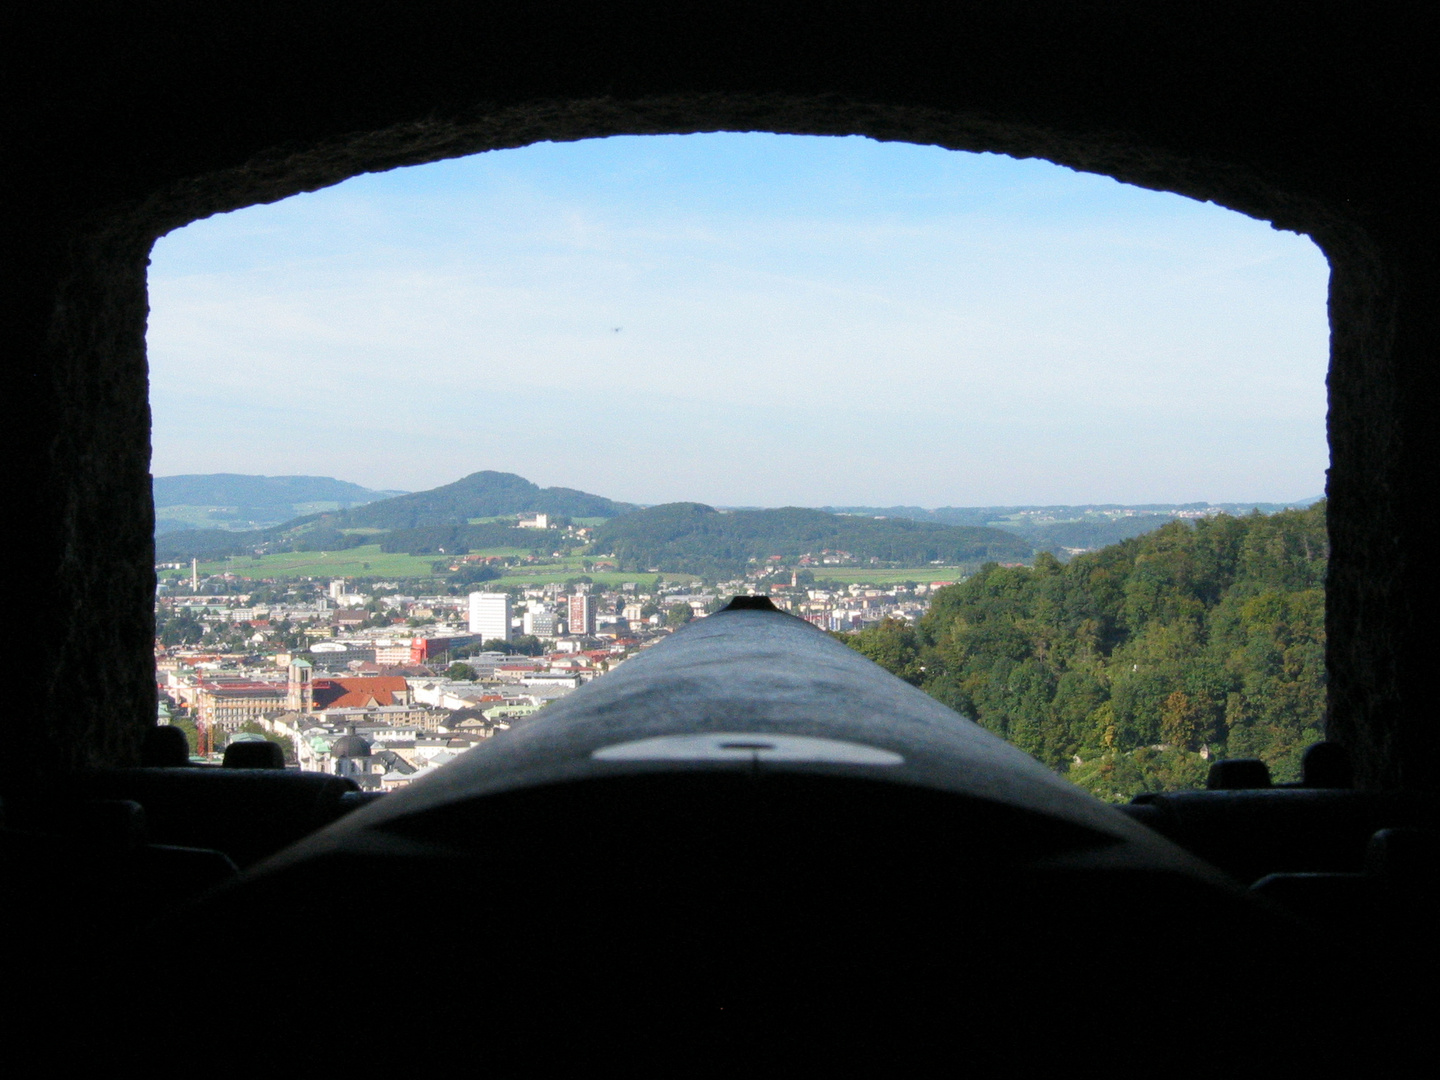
{"x": 387, "y": 687}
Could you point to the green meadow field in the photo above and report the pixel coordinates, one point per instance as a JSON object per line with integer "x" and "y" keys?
{"x": 365, "y": 561}
{"x": 370, "y": 561}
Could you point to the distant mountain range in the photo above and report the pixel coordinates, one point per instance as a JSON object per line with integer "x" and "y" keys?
{"x": 450, "y": 519}
{"x": 1062, "y": 528}
{"x": 477, "y": 512}
{"x": 236, "y": 502}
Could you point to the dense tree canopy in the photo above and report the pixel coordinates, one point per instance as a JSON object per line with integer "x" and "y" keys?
{"x": 179, "y": 628}
{"x": 696, "y": 539}
{"x": 474, "y": 575}
{"x": 1131, "y": 666}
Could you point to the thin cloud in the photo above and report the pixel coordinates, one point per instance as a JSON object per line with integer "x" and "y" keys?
{"x": 805, "y": 320}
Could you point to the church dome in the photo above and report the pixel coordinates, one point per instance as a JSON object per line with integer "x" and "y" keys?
{"x": 350, "y": 745}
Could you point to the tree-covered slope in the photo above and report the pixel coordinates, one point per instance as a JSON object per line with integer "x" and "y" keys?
{"x": 697, "y": 539}
{"x": 479, "y": 495}
{"x": 1055, "y": 536}
{"x": 203, "y": 544}
{"x": 1131, "y": 667}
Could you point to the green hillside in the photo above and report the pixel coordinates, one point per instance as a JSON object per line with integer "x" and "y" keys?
{"x": 1131, "y": 667}
{"x": 427, "y": 522}
{"x": 478, "y": 512}
{"x": 480, "y": 495}
{"x": 1088, "y": 532}
{"x": 697, "y": 539}
{"x": 204, "y": 544}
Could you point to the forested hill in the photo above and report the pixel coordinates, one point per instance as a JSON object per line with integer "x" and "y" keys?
{"x": 421, "y": 523}
{"x": 479, "y": 495}
{"x": 1132, "y": 667}
{"x": 697, "y": 539}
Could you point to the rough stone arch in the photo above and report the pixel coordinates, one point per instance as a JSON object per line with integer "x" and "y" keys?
{"x": 122, "y": 125}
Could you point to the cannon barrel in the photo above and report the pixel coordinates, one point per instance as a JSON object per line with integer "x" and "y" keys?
{"x": 750, "y": 836}
{"x": 754, "y": 700}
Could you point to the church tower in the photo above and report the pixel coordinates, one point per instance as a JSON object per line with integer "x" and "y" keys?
{"x": 301, "y": 696}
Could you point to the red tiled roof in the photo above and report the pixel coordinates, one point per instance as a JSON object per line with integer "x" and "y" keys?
{"x": 357, "y": 692}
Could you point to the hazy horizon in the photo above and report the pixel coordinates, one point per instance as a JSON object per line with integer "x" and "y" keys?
{"x": 394, "y": 492}
{"x": 748, "y": 320}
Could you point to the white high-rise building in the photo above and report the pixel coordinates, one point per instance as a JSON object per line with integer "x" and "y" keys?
{"x": 490, "y": 615}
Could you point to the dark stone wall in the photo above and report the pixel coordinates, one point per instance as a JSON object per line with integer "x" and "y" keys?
{"x": 1382, "y": 596}
{"x": 123, "y": 124}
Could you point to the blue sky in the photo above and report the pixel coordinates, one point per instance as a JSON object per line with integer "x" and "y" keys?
{"x": 747, "y": 319}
